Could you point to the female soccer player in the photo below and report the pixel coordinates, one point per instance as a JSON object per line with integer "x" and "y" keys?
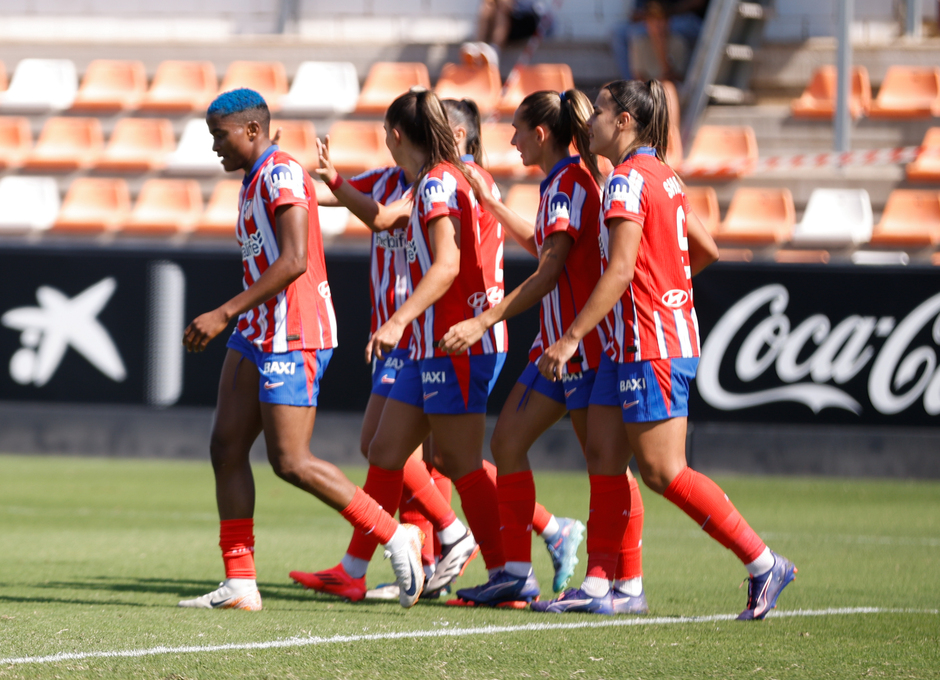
{"x": 565, "y": 239}
{"x": 276, "y": 357}
{"x": 651, "y": 246}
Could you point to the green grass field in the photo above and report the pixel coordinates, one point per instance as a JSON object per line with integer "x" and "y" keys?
{"x": 96, "y": 553}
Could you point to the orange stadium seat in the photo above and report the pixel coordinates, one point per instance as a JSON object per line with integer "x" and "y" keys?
{"x": 523, "y": 199}
{"x": 138, "y": 145}
{"x": 926, "y": 167}
{"x": 3, "y": 77}
{"x": 111, "y": 85}
{"x": 386, "y": 81}
{"x": 267, "y": 78}
{"x": 758, "y": 216}
{"x": 299, "y": 139}
{"x": 357, "y": 146}
{"x": 911, "y": 218}
{"x": 528, "y": 79}
{"x": 818, "y": 100}
{"x": 94, "y": 204}
{"x": 16, "y": 140}
{"x": 482, "y": 84}
{"x": 721, "y": 151}
{"x": 67, "y": 144}
{"x": 502, "y": 158}
{"x": 908, "y": 92}
{"x": 181, "y": 87}
{"x": 221, "y": 213}
{"x": 674, "y": 155}
{"x": 704, "y": 203}
{"x": 166, "y": 206}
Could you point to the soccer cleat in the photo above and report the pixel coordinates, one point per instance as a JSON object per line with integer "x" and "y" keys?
{"x": 333, "y": 581}
{"x": 227, "y": 597}
{"x": 576, "y": 600}
{"x": 406, "y": 563}
{"x": 391, "y": 591}
{"x": 453, "y": 558}
{"x": 501, "y": 588}
{"x": 630, "y": 604}
{"x": 763, "y": 590}
{"x": 563, "y": 547}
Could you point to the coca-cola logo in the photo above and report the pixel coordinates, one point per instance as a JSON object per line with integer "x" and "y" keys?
{"x": 829, "y": 354}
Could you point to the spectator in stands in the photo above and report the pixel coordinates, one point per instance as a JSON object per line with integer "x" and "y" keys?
{"x": 500, "y": 22}
{"x": 672, "y": 28}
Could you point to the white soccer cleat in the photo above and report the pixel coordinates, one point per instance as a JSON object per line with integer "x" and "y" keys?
{"x": 228, "y": 597}
{"x": 406, "y": 563}
{"x": 454, "y": 556}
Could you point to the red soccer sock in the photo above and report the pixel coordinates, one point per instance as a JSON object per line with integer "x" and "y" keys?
{"x": 424, "y": 494}
{"x": 607, "y": 522}
{"x": 630, "y": 563}
{"x": 372, "y": 522}
{"x": 480, "y": 505}
{"x": 410, "y": 513}
{"x": 704, "y": 501}
{"x": 446, "y": 488}
{"x": 516, "y": 493}
{"x": 540, "y": 518}
{"x": 237, "y": 540}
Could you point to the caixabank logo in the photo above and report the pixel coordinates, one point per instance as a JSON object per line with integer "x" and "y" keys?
{"x": 874, "y": 367}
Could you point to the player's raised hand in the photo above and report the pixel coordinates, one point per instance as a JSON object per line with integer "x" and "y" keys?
{"x": 277, "y": 136}
{"x": 384, "y": 340}
{"x": 325, "y": 169}
{"x": 203, "y": 328}
{"x": 554, "y": 359}
{"x": 462, "y": 335}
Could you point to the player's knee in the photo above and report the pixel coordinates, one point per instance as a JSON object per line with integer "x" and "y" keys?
{"x": 285, "y": 466}
{"x": 505, "y": 448}
{"x": 364, "y": 442}
{"x": 655, "y": 477}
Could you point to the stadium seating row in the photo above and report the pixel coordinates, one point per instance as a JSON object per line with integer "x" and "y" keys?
{"x": 906, "y": 92}
{"x": 318, "y": 88}
{"x": 756, "y": 216}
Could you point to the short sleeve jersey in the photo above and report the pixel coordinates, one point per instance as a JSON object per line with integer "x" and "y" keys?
{"x": 570, "y": 203}
{"x": 655, "y": 318}
{"x": 444, "y": 191}
{"x": 301, "y": 316}
{"x": 388, "y": 265}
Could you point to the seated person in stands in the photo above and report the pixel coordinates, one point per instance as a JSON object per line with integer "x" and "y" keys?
{"x": 500, "y": 22}
{"x": 667, "y": 29}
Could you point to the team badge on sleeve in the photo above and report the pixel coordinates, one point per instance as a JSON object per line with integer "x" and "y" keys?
{"x": 287, "y": 176}
{"x": 624, "y": 190}
{"x": 439, "y": 190}
{"x": 559, "y": 207}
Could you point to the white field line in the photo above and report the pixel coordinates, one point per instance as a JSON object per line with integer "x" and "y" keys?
{"x": 442, "y": 633}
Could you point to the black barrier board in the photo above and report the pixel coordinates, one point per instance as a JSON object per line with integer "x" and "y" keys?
{"x": 818, "y": 344}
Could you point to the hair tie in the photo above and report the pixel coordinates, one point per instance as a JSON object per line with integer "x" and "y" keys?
{"x": 563, "y": 97}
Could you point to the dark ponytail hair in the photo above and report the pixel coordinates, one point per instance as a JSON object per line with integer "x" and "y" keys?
{"x": 466, "y": 114}
{"x": 418, "y": 114}
{"x": 647, "y": 104}
{"x": 565, "y": 115}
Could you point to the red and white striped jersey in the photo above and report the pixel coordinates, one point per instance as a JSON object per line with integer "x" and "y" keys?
{"x": 388, "y": 266}
{"x": 570, "y": 203}
{"x": 444, "y": 191}
{"x": 300, "y": 316}
{"x": 655, "y": 318}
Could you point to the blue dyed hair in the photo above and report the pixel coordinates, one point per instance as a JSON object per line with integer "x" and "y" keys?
{"x": 237, "y": 101}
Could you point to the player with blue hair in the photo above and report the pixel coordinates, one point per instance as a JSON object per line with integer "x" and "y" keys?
{"x": 281, "y": 346}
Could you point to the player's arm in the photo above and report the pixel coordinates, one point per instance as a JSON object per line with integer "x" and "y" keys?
{"x": 325, "y": 196}
{"x": 375, "y": 215}
{"x": 702, "y": 248}
{"x": 623, "y": 243}
{"x": 291, "y": 225}
{"x": 552, "y": 262}
{"x": 443, "y": 232}
{"x": 520, "y": 230}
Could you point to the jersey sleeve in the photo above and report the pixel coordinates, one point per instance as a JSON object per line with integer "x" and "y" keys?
{"x": 365, "y": 182}
{"x": 565, "y": 206}
{"x": 285, "y": 184}
{"x": 625, "y": 196}
{"x": 439, "y": 196}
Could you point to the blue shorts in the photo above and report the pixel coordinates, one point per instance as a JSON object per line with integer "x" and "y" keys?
{"x": 451, "y": 385}
{"x": 385, "y": 371}
{"x": 287, "y": 378}
{"x": 646, "y": 391}
{"x": 574, "y": 389}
